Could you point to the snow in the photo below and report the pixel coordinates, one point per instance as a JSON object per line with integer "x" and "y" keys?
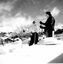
{"x": 18, "y": 53}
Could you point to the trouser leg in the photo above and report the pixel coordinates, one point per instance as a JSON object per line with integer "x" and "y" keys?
{"x": 32, "y": 40}
{"x": 52, "y": 33}
{"x": 48, "y": 33}
{"x": 36, "y": 39}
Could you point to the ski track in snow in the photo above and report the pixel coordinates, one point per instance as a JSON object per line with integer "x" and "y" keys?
{"x": 19, "y": 53}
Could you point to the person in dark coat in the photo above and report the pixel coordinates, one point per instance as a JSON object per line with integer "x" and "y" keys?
{"x": 49, "y": 25}
{"x": 34, "y": 37}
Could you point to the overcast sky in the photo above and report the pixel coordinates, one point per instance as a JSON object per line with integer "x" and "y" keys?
{"x": 32, "y": 8}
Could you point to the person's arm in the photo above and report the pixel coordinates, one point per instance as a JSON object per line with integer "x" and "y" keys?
{"x": 42, "y": 23}
{"x": 42, "y": 27}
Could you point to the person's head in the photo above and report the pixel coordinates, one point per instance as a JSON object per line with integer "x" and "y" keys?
{"x": 33, "y": 22}
{"x": 48, "y": 13}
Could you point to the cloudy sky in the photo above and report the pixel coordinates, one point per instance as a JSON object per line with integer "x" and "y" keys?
{"x": 11, "y": 9}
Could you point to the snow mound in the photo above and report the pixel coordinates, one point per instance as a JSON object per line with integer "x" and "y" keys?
{"x": 51, "y": 40}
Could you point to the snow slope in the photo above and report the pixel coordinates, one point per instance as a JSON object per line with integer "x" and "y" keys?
{"x": 18, "y": 53}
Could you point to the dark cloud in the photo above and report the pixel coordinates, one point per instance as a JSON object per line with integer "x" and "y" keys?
{"x": 6, "y": 7}
{"x": 33, "y": 7}
{"x": 1, "y": 1}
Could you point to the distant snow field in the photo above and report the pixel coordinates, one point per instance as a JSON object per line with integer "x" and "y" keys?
{"x": 18, "y": 53}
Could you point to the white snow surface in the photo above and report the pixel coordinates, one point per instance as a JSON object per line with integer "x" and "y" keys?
{"x": 18, "y": 53}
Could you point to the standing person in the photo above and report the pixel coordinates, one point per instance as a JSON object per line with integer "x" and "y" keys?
{"x": 49, "y": 25}
{"x": 34, "y": 36}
